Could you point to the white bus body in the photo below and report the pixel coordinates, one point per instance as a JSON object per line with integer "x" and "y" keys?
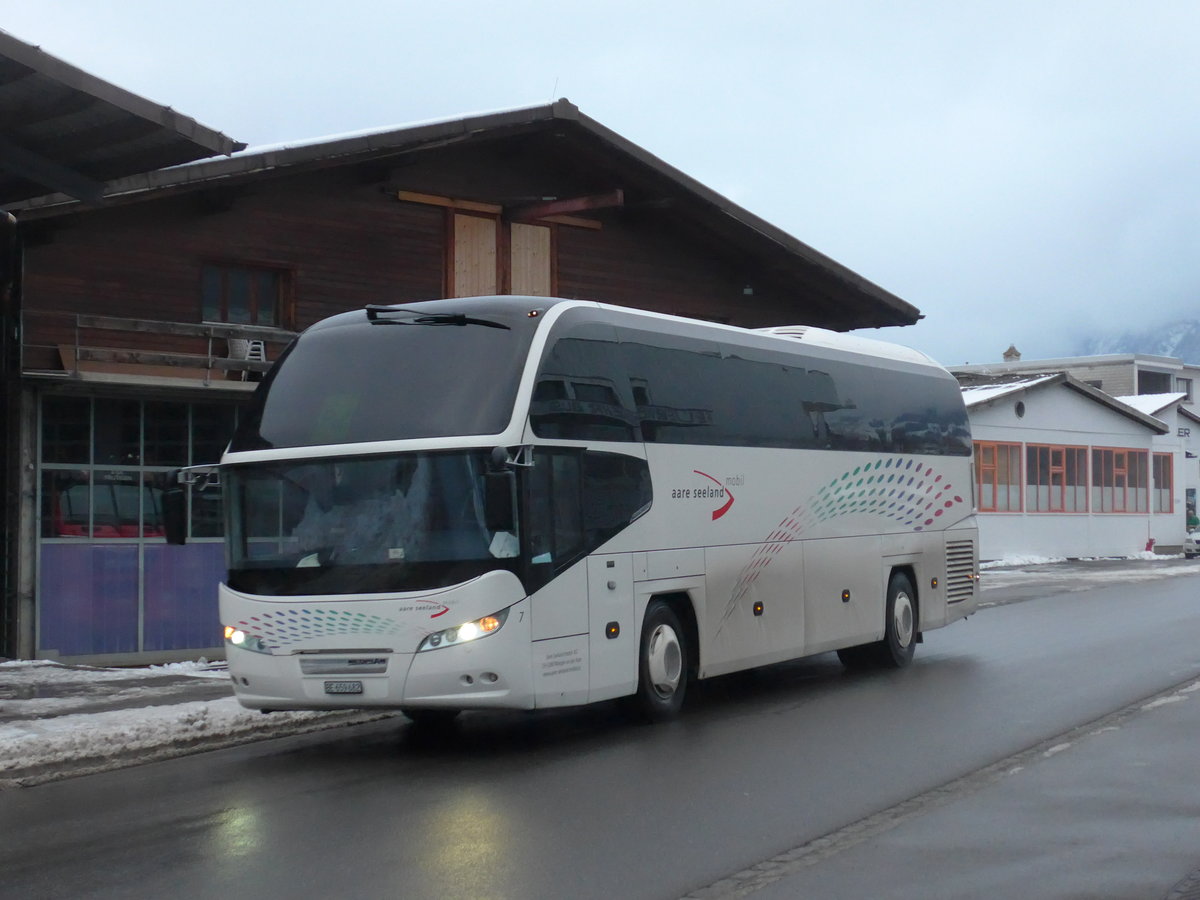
{"x": 687, "y": 500}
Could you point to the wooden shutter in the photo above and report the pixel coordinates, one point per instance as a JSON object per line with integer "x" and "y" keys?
{"x": 474, "y": 256}
{"x": 531, "y": 260}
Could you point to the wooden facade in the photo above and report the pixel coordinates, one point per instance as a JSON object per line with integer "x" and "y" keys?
{"x": 128, "y": 306}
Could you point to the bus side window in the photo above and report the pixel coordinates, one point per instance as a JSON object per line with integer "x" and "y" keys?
{"x": 578, "y": 500}
{"x": 554, "y": 509}
{"x": 616, "y": 489}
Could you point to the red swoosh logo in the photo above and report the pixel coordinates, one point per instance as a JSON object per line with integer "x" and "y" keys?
{"x": 717, "y": 513}
{"x": 440, "y": 612}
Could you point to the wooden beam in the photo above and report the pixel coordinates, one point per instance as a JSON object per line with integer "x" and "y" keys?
{"x": 48, "y": 174}
{"x": 489, "y": 208}
{"x": 449, "y": 202}
{"x": 574, "y": 222}
{"x": 566, "y": 206}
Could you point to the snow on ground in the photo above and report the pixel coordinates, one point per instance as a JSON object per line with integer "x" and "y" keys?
{"x": 142, "y": 733}
{"x": 1080, "y": 574}
{"x": 1010, "y": 561}
{"x": 75, "y": 729}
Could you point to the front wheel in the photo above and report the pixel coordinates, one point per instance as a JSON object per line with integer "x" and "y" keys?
{"x": 662, "y": 664}
{"x": 430, "y": 719}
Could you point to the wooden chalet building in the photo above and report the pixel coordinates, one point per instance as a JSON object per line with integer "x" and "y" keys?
{"x": 148, "y": 318}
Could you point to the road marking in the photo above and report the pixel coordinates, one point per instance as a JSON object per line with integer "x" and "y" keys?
{"x": 770, "y": 871}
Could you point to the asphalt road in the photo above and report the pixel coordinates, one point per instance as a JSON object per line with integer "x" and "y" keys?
{"x": 583, "y": 804}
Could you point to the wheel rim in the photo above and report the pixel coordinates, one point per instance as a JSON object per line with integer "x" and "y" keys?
{"x": 664, "y": 659}
{"x": 902, "y": 619}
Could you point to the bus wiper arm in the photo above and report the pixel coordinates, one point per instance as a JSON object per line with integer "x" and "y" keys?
{"x": 457, "y": 319}
{"x": 374, "y": 313}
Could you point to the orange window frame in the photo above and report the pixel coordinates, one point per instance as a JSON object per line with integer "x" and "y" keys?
{"x": 998, "y": 476}
{"x": 1120, "y": 480}
{"x": 1163, "y": 483}
{"x": 1061, "y": 469}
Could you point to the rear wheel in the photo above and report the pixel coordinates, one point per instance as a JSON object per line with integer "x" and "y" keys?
{"x": 662, "y": 664}
{"x": 899, "y": 631}
{"x": 900, "y": 634}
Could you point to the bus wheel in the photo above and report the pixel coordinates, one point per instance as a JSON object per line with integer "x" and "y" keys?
{"x": 900, "y": 632}
{"x": 662, "y": 664}
{"x": 431, "y": 718}
{"x": 861, "y": 657}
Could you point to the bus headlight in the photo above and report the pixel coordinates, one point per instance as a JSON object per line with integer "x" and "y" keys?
{"x": 245, "y": 641}
{"x": 461, "y": 634}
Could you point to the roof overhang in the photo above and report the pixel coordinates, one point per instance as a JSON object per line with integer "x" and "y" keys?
{"x": 69, "y": 134}
{"x": 561, "y": 134}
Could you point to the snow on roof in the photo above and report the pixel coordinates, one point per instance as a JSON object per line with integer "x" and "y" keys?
{"x": 371, "y": 132}
{"x": 976, "y": 395}
{"x": 1151, "y": 403}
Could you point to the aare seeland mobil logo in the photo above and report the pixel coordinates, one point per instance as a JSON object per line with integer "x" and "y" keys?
{"x": 432, "y": 607}
{"x": 711, "y": 489}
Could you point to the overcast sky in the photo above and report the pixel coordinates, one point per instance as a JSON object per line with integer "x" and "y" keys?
{"x": 1022, "y": 172}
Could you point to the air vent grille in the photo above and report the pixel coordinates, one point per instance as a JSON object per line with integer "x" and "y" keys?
{"x": 961, "y": 566}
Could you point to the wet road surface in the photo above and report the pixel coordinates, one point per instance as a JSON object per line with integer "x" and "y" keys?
{"x": 581, "y": 803}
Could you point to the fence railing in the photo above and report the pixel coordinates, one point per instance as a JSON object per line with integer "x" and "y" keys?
{"x": 78, "y": 343}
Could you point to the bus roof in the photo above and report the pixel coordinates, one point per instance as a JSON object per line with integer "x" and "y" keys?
{"x": 823, "y": 337}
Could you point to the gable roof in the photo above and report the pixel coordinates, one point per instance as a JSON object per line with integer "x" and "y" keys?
{"x": 1152, "y": 404}
{"x": 983, "y": 394}
{"x": 980, "y": 391}
{"x": 575, "y": 149}
{"x": 68, "y": 132}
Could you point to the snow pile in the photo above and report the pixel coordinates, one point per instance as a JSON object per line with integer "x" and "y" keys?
{"x": 46, "y": 671}
{"x": 200, "y": 668}
{"x": 76, "y": 730}
{"x": 1021, "y": 561}
{"x": 99, "y": 740}
{"x": 1030, "y": 560}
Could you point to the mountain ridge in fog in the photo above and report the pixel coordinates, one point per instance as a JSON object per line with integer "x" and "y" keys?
{"x": 1179, "y": 339}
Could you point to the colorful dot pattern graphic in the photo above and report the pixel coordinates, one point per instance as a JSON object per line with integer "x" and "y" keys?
{"x": 282, "y": 628}
{"x": 912, "y": 494}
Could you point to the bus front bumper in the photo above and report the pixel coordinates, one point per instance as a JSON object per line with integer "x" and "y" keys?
{"x": 489, "y": 672}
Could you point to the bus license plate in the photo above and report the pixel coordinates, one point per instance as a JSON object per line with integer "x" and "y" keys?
{"x": 343, "y": 687}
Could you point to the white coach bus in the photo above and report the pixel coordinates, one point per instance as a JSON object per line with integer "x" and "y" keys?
{"x": 522, "y": 502}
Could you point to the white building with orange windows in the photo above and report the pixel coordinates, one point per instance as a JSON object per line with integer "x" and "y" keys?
{"x": 1063, "y": 469}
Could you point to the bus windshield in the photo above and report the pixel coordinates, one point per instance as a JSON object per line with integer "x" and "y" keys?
{"x": 401, "y": 522}
{"x": 395, "y": 373}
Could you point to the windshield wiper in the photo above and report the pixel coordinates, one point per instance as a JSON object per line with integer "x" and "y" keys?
{"x": 374, "y": 313}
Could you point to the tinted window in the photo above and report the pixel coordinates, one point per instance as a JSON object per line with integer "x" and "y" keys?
{"x": 616, "y": 489}
{"x": 688, "y": 391}
{"x": 423, "y": 370}
{"x": 576, "y": 500}
{"x": 66, "y": 430}
{"x": 582, "y": 389}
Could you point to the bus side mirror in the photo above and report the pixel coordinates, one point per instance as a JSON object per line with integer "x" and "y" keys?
{"x": 499, "y": 513}
{"x": 174, "y": 505}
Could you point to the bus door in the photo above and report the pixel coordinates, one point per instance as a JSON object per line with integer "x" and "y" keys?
{"x": 613, "y": 635}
